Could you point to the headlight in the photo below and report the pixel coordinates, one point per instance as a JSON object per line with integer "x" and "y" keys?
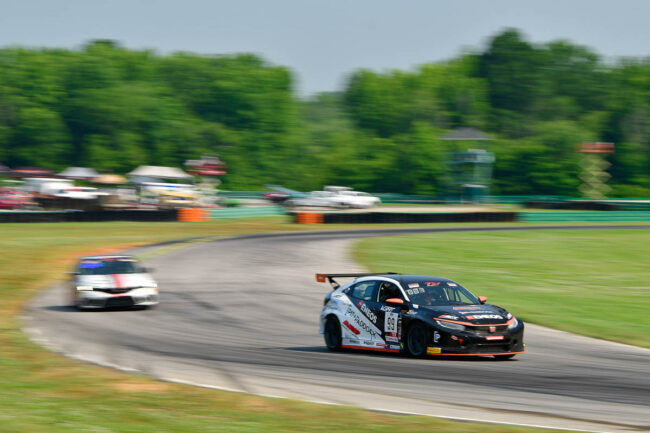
{"x": 84, "y": 288}
{"x": 514, "y": 324}
{"x": 449, "y": 325}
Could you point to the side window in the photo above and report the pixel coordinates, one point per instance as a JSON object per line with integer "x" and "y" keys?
{"x": 389, "y": 290}
{"x": 366, "y": 290}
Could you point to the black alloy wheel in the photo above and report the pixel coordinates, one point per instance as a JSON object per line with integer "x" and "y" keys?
{"x": 416, "y": 340}
{"x": 332, "y": 334}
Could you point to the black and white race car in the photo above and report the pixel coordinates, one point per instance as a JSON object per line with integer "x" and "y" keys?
{"x": 417, "y": 314}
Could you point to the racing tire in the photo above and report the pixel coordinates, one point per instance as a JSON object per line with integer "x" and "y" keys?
{"x": 503, "y": 357}
{"x": 74, "y": 303}
{"x": 417, "y": 339}
{"x": 332, "y": 334}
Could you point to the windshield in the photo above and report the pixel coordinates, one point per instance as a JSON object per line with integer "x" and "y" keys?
{"x": 109, "y": 266}
{"x": 439, "y": 293}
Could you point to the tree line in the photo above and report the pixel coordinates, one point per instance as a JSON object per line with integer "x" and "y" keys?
{"x": 111, "y": 108}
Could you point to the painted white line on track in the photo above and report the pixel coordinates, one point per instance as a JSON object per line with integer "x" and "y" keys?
{"x": 386, "y": 411}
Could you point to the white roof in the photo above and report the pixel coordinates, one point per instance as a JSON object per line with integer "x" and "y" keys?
{"x": 82, "y": 172}
{"x": 158, "y": 171}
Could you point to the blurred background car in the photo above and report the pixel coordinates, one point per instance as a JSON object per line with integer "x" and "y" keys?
{"x": 353, "y": 199}
{"x": 10, "y": 199}
{"x": 107, "y": 281}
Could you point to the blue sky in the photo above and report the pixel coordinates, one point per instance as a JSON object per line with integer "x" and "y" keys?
{"x": 323, "y": 41}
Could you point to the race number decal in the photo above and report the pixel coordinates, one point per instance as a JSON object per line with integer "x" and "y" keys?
{"x": 390, "y": 323}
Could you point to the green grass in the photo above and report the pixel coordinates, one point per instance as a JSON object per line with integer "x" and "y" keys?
{"x": 44, "y": 392}
{"x": 595, "y": 283}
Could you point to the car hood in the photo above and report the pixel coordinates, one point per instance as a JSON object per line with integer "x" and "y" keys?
{"x": 475, "y": 314}
{"x": 115, "y": 281}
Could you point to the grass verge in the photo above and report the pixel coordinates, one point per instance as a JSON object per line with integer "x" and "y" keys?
{"x": 44, "y": 392}
{"x": 590, "y": 282}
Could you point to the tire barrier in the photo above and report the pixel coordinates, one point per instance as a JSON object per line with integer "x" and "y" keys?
{"x": 62, "y": 203}
{"x": 393, "y": 217}
{"x": 309, "y": 218}
{"x": 88, "y": 216}
{"x": 574, "y": 205}
{"x": 192, "y": 214}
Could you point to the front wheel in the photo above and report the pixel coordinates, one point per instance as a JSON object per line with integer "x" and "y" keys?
{"x": 416, "y": 340}
{"x": 332, "y": 334}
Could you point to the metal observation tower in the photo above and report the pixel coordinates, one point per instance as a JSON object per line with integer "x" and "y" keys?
{"x": 469, "y": 172}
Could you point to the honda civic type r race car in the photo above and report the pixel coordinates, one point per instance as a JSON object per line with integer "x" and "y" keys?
{"x": 112, "y": 281}
{"x": 417, "y": 314}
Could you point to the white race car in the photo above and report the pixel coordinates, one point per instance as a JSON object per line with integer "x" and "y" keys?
{"x": 112, "y": 281}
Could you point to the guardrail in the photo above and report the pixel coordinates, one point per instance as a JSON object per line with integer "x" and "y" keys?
{"x": 583, "y": 216}
{"x": 246, "y": 212}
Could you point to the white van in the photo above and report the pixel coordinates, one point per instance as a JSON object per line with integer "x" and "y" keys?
{"x": 46, "y": 185}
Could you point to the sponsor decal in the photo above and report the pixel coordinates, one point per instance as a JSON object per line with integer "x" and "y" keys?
{"x": 91, "y": 265}
{"x": 477, "y": 312}
{"x": 494, "y": 337}
{"x": 351, "y": 328}
{"x": 394, "y": 347}
{"x": 468, "y": 307}
{"x": 383, "y": 345}
{"x": 452, "y": 284}
{"x": 358, "y": 321}
{"x": 369, "y": 314}
{"x": 118, "y": 280}
{"x": 415, "y": 291}
{"x": 433, "y": 350}
{"x": 390, "y": 322}
{"x": 367, "y": 342}
{"x": 387, "y": 308}
{"x": 453, "y": 337}
{"x": 432, "y": 283}
{"x": 392, "y": 338}
{"x": 436, "y": 336}
{"x": 493, "y": 329}
{"x": 484, "y": 316}
{"x": 448, "y": 316}
{"x": 411, "y": 312}
{"x": 413, "y": 285}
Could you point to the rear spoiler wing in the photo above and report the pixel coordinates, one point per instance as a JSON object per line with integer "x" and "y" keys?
{"x": 321, "y": 278}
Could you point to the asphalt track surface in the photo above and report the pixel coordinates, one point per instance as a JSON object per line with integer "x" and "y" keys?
{"x": 242, "y": 315}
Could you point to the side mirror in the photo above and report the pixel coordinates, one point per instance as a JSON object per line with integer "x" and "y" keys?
{"x": 397, "y": 302}
{"x": 482, "y": 299}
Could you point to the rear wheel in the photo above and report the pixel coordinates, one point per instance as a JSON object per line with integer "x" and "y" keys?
{"x": 416, "y": 340}
{"x": 332, "y": 334}
{"x": 503, "y": 357}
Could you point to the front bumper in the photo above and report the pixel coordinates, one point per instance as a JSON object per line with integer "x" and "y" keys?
{"x": 95, "y": 299}
{"x": 469, "y": 344}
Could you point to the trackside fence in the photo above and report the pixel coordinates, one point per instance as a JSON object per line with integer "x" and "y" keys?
{"x": 584, "y": 216}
